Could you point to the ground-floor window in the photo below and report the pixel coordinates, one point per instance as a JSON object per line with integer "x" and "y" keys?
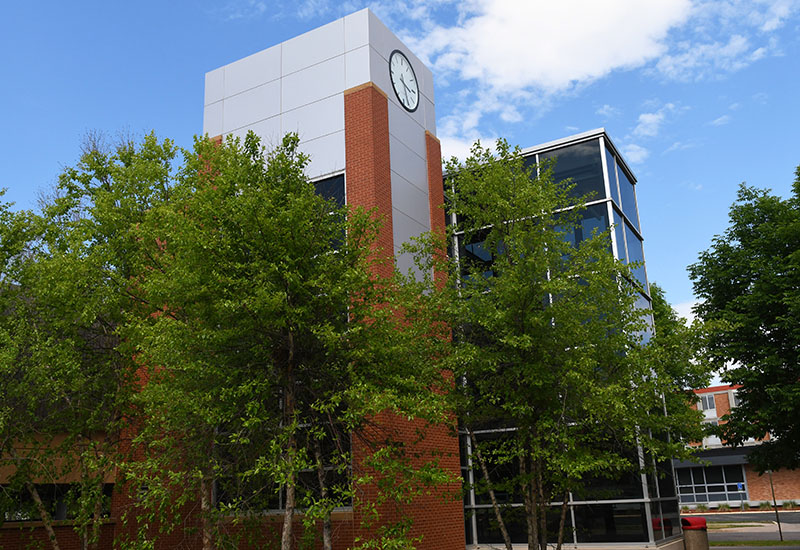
{"x": 59, "y": 499}
{"x": 635, "y": 507}
{"x": 711, "y": 483}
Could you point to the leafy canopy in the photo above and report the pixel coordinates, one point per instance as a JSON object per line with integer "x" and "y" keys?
{"x": 748, "y": 282}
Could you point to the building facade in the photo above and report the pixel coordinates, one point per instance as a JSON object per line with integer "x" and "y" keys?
{"x": 363, "y": 107}
{"x": 721, "y": 474}
{"x": 638, "y": 509}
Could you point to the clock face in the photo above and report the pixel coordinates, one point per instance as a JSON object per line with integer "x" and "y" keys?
{"x": 404, "y": 81}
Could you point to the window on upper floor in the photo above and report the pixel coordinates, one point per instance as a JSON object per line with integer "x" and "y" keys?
{"x": 736, "y": 400}
{"x": 707, "y": 403}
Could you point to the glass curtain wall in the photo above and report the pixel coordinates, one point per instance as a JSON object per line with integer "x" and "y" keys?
{"x": 640, "y": 507}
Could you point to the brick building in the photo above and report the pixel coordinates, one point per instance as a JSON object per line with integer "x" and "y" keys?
{"x": 727, "y": 478}
{"x": 363, "y": 106}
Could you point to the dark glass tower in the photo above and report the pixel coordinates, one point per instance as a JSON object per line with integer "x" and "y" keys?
{"x": 638, "y": 508}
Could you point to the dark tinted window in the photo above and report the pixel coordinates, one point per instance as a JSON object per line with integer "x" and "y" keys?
{"x": 628, "y": 196}
{"x": 331, "y": 188}
{"x": 621, "y": 522}
{"x": 594, "y": 220}
{"x": 619, "y": 233}
{"x": 583, "y": 165}
{"x": 636, "y": 254}
{"x": 611, "y": 164}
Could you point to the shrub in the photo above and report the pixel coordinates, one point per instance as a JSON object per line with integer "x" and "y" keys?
{"x": 789, "y": 504}
{"x": 764, "y": 505}
{"x": 701, "y": 508}
{"x": 685, "y": 509}
{"x": 745, "y": 505}
{"x": 724, "y": 507}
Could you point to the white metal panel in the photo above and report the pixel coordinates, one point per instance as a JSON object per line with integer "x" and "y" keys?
{"x": 327, "y": 154}
{"x": 315, "y": 119}
{"x": 410, "y": 200}
{"x": 407, "y": 130}
{"x": 356, "y": 30}
{"x": 430, "y": 114}
{"x": 356, "y": 65}
{"x": 313, "y": 47}
{"x": 252, "y": 71}
{"x": 269, "y": 130}
{"x": 312, "y": 84}
{"x": 408, "y": 164}
{"x": 405, "y": 263}
{"x": 214, "y": 86}
{"x": 212, "y": 119}
{"x": 251, "y": 106}
{"x": 385, "y": 42}
{"x": 405, "y": 227}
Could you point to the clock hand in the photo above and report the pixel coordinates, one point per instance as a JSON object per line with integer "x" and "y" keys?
{"x": 403, "y": 82}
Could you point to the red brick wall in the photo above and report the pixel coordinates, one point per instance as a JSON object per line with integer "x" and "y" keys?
{"x": 368, "y": 177}
{"x": 722, "y": 402}
{"x": 27, "y": 535}
{"x": 438, "y": 513}
{"x": 438, "y": 517}
{"x": 433, "y": 152}
{"x": 786, "y": 483}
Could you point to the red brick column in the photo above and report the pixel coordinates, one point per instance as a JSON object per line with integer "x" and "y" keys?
{"x": 433, "y": 150}
{"x": 438, "y": 517}
{"x": 368, "y": 177}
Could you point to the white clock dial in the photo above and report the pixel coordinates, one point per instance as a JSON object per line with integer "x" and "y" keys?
{"x": 404, "y": 81}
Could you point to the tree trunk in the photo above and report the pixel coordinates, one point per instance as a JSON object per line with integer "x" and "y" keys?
{"x": 327, "y": 543}
{"x": 289, "y": 504}
{"x": 528, "y": 497}
{"x": 543, "y": 506}
{"x": 47, "y": 521}
{"x": 291, "y": 447}
{"x": 477, "y": 454}
{"x": 562, "y": 523}
{"x": 206, "y": 504}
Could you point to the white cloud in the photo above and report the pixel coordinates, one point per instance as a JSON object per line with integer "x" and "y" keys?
{"x": 510, "y": 45}
{"x": 453, "y": 146}
{"x": 635, "y": 154}
{"x": 694, "y": 61}
{"x": 607, "y": 111}
{"x": 518, "y": 52}
{"x": 649, "y": 124}
{"x": 680, "y": 146}
{"x": 684, "y": 310}
{"x": 761, "y": 97}
{"x": 309, "y": 9}
{"x": 721, "y": 121}
{"x": 242, "y": 9}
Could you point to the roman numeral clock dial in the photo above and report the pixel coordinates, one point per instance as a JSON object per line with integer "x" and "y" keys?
{"x": 404, "y": 81}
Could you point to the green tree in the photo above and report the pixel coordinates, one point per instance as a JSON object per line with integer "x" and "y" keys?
{"x": 228, "y": 320}
{"x": 678, "y": 352}
{"x": 65, "y": 384}
{"x": 547, "y": 343}
{"x": 273, "y": 340}
{"x": 748, "y": 282}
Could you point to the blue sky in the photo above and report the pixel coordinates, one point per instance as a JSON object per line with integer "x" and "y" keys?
{"x": 699, "y": 95}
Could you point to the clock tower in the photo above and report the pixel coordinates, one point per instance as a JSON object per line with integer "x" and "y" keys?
{"x": 362, "y": 104}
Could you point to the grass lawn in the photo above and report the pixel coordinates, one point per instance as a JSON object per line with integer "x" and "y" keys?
{"x": 714, "y": 525}
{"x": 753, "y": 543}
